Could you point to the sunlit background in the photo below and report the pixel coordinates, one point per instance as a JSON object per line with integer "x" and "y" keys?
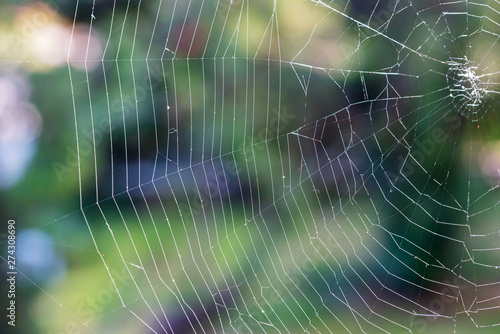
{"x": 264, "y": 166}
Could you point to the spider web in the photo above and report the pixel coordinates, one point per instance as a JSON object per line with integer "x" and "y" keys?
{"x": 294, "y": 166}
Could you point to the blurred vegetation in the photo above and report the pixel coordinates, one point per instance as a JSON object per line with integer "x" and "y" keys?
{"x": 228, "y": 144}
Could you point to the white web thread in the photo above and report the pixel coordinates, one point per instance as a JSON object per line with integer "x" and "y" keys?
{"x": 341, "y": 199}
